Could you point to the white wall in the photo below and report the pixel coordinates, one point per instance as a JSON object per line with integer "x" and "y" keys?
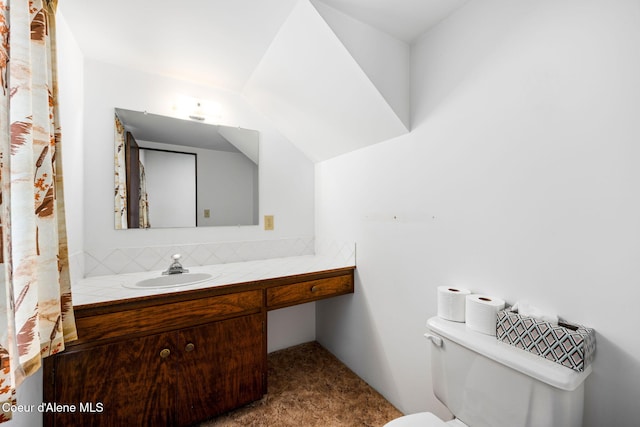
{"x": 290, "y": 326}
{"x": 227, "y": 187}
{"x": 519, "y": 179}
{"x": 71, "y": 103}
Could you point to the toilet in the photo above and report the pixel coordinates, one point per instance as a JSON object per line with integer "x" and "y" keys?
{"x": 487, "y": 383}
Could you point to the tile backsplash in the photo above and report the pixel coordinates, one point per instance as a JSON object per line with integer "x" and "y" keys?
{"x": 100, "y": 262}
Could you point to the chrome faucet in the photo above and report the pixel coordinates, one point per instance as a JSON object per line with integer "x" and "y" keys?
{"x": 175, "y": 267}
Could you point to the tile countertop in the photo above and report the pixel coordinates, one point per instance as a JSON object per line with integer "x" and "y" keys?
{"x": 98, "y": 289}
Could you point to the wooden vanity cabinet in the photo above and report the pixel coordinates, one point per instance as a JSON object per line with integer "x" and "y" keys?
{"x": 177, "y": 377}
{"x": 174, "y": 359}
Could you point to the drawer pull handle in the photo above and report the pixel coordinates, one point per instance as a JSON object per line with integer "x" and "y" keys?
{"x": 315, "y": 288}
{"x": 189, "y": 347}
{"x": 164, "y": 353}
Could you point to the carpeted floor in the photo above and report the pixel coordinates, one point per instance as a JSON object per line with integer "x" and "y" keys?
{"x": 310, "y": 387}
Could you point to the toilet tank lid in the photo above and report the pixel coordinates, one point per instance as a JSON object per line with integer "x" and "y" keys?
{"x": 522, "y": 361}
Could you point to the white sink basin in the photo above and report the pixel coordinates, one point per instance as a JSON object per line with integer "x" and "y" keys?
{"x": 170, "y": 281}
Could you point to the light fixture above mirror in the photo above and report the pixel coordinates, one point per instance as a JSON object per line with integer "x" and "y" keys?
{"x": 201, "y": 110}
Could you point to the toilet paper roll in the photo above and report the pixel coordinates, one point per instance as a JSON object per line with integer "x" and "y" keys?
{"x": 451, "y": 303}
{"x": 481, "y": 313}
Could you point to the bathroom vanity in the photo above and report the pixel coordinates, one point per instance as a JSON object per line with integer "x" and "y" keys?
{"x": 178, "y": 357}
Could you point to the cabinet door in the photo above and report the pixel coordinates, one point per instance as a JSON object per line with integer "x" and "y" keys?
{"x": 222, "y": 366}
{"x": 125, "y": 384}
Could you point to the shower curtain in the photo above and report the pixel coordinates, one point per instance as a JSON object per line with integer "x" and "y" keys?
{"x": 120, "y": 204}
{"x": 36, "y": 311}
{"x": 144, "y": 200}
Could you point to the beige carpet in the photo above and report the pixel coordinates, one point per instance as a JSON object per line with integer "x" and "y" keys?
{"x": 309, "y": 387}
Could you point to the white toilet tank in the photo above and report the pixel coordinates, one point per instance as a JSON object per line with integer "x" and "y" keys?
{"x": 485, "y": 382}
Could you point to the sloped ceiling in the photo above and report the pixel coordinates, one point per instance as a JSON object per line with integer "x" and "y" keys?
{"x": 214, "y": 42}
{"x": 316, "y": 94}
{"x": 299, "y": 63}
{"x": 191, "y": 133}
{"x": 402, "y": 19}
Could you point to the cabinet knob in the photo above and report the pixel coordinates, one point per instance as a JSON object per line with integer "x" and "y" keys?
{"x": 164, "y": 353}
{"x": 315, "y": 288}
{"x": 189, "y": 347}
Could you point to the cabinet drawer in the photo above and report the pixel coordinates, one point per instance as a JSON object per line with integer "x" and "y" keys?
{"x": 163, "y": 317}
{"x": 297, "y": 293}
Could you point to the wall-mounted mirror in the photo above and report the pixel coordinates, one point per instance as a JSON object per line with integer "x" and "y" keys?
{"x": 182, "y": 173}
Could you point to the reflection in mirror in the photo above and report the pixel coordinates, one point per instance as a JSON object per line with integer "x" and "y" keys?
{"x": 180, "y": 173}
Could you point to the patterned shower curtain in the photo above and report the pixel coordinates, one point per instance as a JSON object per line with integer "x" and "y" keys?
{"x": 120, "y": 204}
{"x": 36, "y": 312}
{"x": 144, "y": 200}
{"x": 120, "y": 210}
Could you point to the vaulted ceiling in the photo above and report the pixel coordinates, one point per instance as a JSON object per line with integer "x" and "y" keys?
{"x": 332, "y": 76}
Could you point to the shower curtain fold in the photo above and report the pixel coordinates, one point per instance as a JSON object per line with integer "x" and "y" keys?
{"x": 36, "y": 311}
{"x": 120, "y": 210}
{"x": 144, "y": 200}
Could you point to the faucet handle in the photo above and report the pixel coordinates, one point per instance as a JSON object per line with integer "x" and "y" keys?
{"x": 175, "y": 267}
